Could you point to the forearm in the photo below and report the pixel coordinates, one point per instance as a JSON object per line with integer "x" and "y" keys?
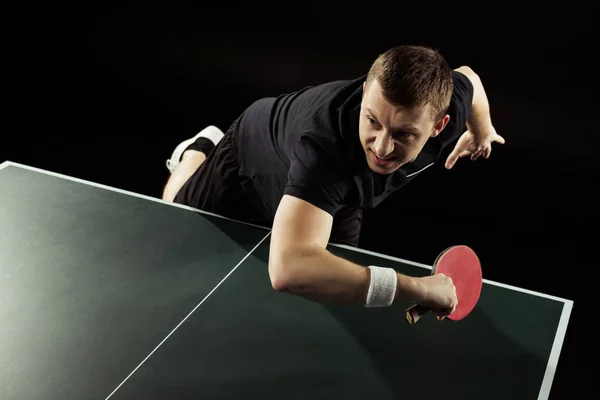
{"x": 321, "y": 276}
{"x": 480, "y": 118}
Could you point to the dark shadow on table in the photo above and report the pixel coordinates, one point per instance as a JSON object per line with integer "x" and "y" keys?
{"x": 469, "y": 359}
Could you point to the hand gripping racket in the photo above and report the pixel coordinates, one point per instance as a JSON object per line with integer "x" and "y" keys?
{"x": 462, "y": 265}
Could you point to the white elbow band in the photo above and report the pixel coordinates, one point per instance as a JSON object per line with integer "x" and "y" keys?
{"x": 382, "y": 287}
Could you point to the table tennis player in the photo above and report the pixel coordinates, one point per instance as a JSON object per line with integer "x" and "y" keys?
{"x": 307, "y": 164}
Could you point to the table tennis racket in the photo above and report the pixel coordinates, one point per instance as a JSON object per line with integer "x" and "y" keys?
{"x": 462, "y": 265}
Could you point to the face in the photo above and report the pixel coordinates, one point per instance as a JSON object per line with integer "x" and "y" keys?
{"x": 392, "y": 136}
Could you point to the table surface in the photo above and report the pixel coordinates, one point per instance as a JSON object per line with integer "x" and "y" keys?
{"x": 106, "y": 293}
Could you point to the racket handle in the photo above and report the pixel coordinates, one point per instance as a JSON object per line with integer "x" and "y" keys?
{"x": 414, "y": 313}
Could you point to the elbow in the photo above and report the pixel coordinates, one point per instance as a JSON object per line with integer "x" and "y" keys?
{"x": 285, "y": 271}
{"x": 280, "y": 282}
{"x": 281, "y": 274}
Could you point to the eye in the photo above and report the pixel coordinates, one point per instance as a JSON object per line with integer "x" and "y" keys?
{"x": 372, "y": 121}
{"x": 403, "y": 136}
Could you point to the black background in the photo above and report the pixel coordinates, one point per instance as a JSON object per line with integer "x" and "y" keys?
{"x": 106, "y": 95}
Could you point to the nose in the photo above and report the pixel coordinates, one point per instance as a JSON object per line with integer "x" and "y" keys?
{"x": 384, "y": 145}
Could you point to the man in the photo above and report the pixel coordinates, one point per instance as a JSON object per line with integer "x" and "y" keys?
{"x": 307, "y": 163}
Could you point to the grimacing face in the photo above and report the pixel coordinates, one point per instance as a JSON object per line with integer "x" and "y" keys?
{"x": 390, "y": 135}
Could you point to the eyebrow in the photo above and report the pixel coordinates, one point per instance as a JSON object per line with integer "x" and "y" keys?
{"x": 403, "y": 129}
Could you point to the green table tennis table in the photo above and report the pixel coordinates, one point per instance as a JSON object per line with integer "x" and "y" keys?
{"x": 107, "y": 294}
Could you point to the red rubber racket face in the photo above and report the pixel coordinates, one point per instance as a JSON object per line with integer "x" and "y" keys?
{"x": 462, "y": 265}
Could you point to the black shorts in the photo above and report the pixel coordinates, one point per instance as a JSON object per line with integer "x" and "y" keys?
{"x": 218, "y": 187}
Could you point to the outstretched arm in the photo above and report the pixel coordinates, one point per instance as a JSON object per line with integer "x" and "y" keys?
{"x": 477, "y": 140}
{"x": 299, "y": 263}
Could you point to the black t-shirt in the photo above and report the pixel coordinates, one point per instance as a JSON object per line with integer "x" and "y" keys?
{"x": 306, "y": 144}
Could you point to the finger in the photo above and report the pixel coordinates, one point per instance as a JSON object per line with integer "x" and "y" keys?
{"x": 487, "y": 152}
{"x": 443, "y": 312}
{"x": 455, "y": 155}
{"x": 500, "y": 139}
{"x": 451, "y": 160}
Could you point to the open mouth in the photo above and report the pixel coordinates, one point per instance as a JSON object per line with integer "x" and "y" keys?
{"x": 382, "y": 161}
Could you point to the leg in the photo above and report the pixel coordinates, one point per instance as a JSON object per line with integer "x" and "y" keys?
{"x": 188, "y": 157}
{"x": 210, "y": 180}
{"x": 190, "y": 162}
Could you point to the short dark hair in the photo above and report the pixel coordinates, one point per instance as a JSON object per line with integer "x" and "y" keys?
{"x": 414, "y": 75}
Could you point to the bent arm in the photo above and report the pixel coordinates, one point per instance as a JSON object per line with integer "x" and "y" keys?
{"x": 480, "y": 119}
{"x": 299, "y": 262}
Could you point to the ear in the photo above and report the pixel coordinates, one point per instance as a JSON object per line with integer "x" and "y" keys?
{"x": 441, "y": 124}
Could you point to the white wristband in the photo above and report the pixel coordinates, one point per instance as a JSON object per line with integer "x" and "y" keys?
{"x": 382, "y": 287}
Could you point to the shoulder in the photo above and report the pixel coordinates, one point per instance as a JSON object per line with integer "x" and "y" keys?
{"x": 325, "y": 129}
{"x": 318, "y": 172}
{"x": 459, "y": 110}
{"x": 338, "y": 90}
{"x": 461, "y": 100}
{"x": 319, "y": 155}
{"x": 462, "y": 91}
{"x": 327, "y": 100}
